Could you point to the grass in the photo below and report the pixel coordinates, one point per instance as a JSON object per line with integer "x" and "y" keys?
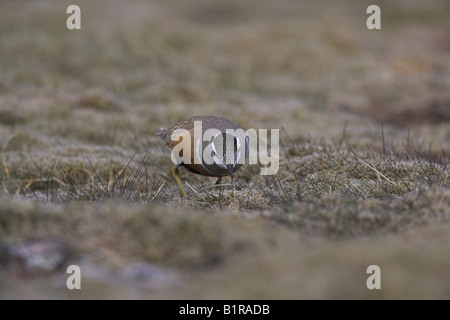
{"x": 363, "y": 177}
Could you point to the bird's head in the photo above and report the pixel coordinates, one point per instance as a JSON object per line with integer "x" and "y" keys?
{"x": 225, "y": 151}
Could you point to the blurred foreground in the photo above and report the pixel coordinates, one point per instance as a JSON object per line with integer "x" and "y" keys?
{"x": 364, "y": 118}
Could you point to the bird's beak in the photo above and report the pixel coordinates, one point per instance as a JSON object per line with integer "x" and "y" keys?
{"x": 230, "y": 169}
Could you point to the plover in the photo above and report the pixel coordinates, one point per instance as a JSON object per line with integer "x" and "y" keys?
{"x": 226, "y": 157}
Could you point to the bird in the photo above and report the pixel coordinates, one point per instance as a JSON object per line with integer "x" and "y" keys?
{"x": 226, "y": 158}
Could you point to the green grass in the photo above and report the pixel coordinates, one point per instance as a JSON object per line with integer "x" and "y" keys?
{"x": 364, "y": 148}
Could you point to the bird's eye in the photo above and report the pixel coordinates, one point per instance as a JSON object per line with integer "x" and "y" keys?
{"x": 213, "y": 153}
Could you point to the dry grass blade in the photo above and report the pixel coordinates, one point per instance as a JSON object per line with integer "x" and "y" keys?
{"x": 5, "y": 166}
{"x": 294, "y": 175}
{"x": 195, "y": 191}
{"x": 377, "y": 171}
{"x": 214, "y": 186}
{"x": 235, "y": 208}
{"x": 159, "y": 190}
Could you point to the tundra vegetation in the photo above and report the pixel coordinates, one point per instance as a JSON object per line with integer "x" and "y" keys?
{"x": 364, "y": 144}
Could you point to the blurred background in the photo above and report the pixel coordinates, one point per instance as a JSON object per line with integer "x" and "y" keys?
{"x": 76, "y": 105}
{"x": 306, "y": 67}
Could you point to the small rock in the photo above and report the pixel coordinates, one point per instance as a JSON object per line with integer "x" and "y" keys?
{"x": 147, "y": 276}
{"x": 34, "y": 256}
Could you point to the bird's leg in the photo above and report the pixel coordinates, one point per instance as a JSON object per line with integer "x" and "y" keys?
{"x": 175, "y": 173}
{"x": 234, "y": 194}
{"x": 219, "y": 183}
